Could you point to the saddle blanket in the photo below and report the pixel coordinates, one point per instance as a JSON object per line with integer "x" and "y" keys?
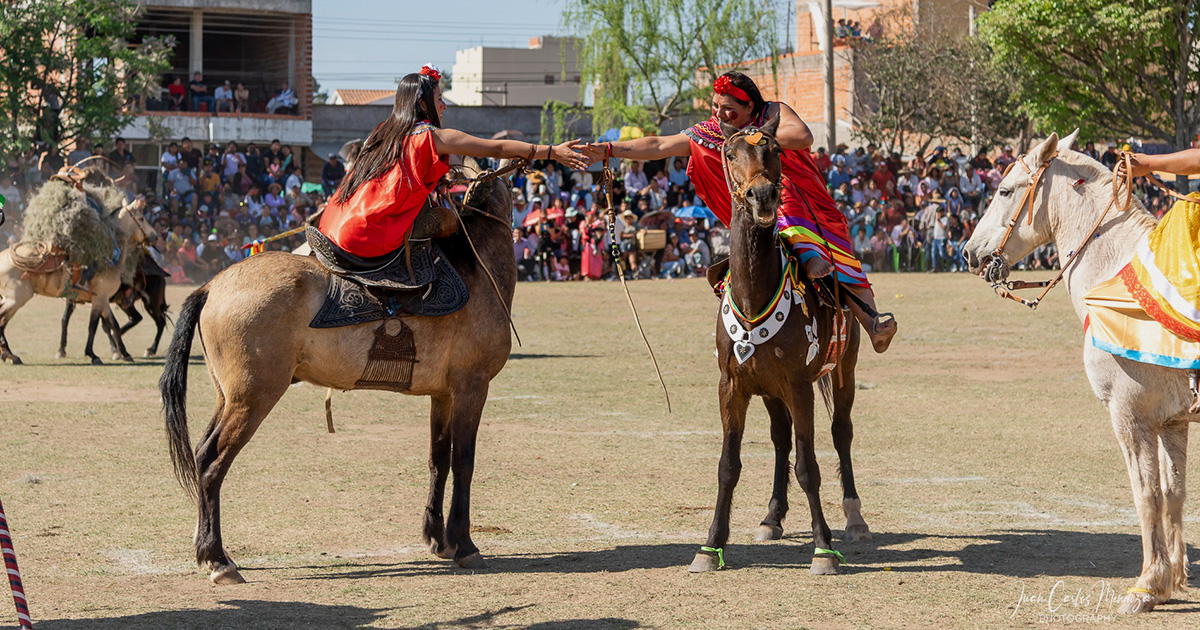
{"x": 348, "y": 303}
{"x": 1150, "y": 311}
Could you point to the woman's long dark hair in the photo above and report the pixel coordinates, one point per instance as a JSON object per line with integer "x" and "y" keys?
{"x": 746, "y": 84}
{"x": 415, "y": 101}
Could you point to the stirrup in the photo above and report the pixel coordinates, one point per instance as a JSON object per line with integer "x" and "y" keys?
{"x": 880, "y": 321}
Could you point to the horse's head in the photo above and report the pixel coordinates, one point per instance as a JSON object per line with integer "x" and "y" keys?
{"x": 753, "y": 170}
{"x": 133, "y": 221}
{"x": 1018, "y": 219}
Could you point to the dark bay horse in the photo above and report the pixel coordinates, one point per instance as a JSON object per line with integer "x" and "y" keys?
{"x": 253, "y": 319}
{"x": 775, "y": 338}
{"x": 150, "y": 289}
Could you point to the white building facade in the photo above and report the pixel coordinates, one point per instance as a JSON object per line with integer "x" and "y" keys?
{"x": 547, "y": 70}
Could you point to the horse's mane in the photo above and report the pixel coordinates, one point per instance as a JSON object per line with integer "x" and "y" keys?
{"x": 492, "y": 197}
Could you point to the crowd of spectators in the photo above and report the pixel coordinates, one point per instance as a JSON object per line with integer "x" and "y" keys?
{"x": 208, "y": 204}
{"x": 198, "y": 96}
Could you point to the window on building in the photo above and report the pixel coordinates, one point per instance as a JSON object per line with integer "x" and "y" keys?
{"x": 549, "y": 79}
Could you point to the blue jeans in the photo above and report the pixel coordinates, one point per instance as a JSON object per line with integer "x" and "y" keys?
{"x": 937, "y": 254}
{"x": 196, "y": 100}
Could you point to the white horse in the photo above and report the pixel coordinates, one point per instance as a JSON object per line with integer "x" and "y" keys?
{"x": 1146, "y": 403}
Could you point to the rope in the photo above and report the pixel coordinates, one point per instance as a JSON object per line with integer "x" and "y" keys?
{"x": 14, "y": 574}
{"x": 611, "y": 217}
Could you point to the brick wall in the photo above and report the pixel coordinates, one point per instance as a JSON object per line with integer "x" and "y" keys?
{"x": 799, "y": 80}
{"x": 304, "y": 86}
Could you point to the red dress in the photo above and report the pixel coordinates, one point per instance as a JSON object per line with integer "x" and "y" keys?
{"x": 378, "y": 216}
{"x": 808, "y": 217}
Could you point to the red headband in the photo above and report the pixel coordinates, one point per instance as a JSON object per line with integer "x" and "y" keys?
{"x": 724, "y": 86}
{"x": 432, "y": 72}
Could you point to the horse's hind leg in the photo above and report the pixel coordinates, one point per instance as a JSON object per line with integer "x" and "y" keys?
{"x": 8, "y": 307}
{"x": 113, "y": 330}
{"x": 1172, "y": 453}
{"x": 781, "y": 436}
{"x": 808, "y": 475}
{"x": 434, "y": 529}
{"x": 733, "y": 422}
{"x": 235, "y": 419}
{"x": 465, "y": 412}
{"x": 62, "y": 340}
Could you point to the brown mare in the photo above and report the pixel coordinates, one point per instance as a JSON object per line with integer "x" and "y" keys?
{"x": 253, "y": 320}
{"x": 780, "y": 369}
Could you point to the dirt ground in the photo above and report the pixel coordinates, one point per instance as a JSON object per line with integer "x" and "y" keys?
{"x": 988, "y": 474}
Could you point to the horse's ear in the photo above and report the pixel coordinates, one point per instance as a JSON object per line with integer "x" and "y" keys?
{"x": 728, "y": 130}
{"x": 1049, "y": 148}
{"x": 772, "y": 125}
{"x": 1066, "y": 143}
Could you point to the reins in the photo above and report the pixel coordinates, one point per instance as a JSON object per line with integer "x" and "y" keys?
{"x": 1005, "y": 288}
{"x": 610, "y": 216}
{"x": 515, "y": 165}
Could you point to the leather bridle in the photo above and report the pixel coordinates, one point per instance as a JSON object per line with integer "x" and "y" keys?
{"x": 995, "y": 265}
{"x": 753, "y": 136}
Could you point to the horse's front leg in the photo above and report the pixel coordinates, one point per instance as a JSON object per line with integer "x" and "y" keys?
{"x": 781, "y": 437}
{"x": 434, "y": 528}
{"x": 466, "y": 410}
{"x": 733, "y": 422}
{"x": 113, "y": 330}
{"x": 1173, "y": 442}
{"x": 1139, "y": 443}
{"x": 808, "y": 476}
{"x": 8, "y": 307}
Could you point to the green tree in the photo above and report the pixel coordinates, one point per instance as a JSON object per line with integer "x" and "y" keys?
{"x": 68, "y": 70}
{"x": 640, "y": 57}
{"x": 1111, "y": 68}
{"x": 927, "y": 84}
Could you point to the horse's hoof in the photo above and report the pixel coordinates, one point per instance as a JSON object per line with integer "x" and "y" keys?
{"x": 473, "y": 561}
{"x": 824, "y": 565}
{"x": 126, "y": 358}
{"x": 768, "y": 532}
{"x": 150, "y": 353}
{"x": 857, "y": 533}
{"x": 116, "y": 356}
{"x": 61, "y": 354}
{"x": 16, "y": 360}
{"x": 442, "y": 551}
{"x": 97, "y": 361}
{"x": 226, "y": 575}
{"x": 1136, "y": 603}
{"x": 704, "y": 562}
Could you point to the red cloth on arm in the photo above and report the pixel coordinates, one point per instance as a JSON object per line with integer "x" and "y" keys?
{"x": 378, "y": 216}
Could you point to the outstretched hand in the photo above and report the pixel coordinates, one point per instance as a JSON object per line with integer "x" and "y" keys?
{"x": 596, "y": 152}
{"x": 570, "y": 154}
{"x": 1137, "y": 165}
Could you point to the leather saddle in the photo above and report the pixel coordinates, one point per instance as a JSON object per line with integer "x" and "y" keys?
{"x": 416, "y": 279}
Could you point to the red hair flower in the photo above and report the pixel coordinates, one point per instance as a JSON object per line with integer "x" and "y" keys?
{"x": 724, "y": 86}
{"x": 432, "y": 72}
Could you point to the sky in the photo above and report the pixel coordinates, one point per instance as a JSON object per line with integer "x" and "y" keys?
{"x": 369, "y": 44}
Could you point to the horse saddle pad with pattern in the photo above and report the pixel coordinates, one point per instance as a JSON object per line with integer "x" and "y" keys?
{"x": 348, "y": 302}
{"x": 399, "y": 270}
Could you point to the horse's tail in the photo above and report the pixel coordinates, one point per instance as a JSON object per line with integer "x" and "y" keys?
{"x": 825, "y": 384}
{"x": 173, "y": 386}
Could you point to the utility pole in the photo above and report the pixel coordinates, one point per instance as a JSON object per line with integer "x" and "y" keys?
{"x": 830, "y": 109}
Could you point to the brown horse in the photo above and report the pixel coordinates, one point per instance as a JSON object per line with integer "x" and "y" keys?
{"x": 254, "y": 319}
{"x": 151, "y": 289}
{"x": 786, "y": 338}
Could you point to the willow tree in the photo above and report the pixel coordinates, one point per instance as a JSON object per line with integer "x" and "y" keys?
{"x": 1111, "y": 68}
{"x": 642, "y": 58}
{"x": 69, "y": 70}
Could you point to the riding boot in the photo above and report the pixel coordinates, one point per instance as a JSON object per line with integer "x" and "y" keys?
{"x": 1194, "y": 385}
{"x": 434, "y": 222}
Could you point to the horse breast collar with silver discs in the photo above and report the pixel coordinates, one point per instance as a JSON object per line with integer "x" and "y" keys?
{"x": 746, "y": 333}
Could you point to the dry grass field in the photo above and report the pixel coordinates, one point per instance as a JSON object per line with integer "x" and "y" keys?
{"x": 986, "y": 468}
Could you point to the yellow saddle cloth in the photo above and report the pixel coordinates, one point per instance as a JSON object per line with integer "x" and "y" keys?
{"x": 1150, "y": 311}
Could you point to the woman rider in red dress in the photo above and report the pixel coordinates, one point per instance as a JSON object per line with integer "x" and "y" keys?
{"x": 402, "y": 161}
{"x": 823, "y": 246}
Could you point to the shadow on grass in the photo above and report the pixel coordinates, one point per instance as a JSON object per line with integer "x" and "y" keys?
{"x": 265, "y": 615}
{"x": 520, "y": 356}
{"x": 1013, "y": 553}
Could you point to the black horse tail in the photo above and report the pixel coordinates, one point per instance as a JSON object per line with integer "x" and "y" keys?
{"x": 173, "y": 386}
